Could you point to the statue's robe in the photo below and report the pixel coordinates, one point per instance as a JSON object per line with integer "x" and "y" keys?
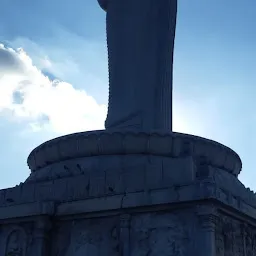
{"x": 140, "y": 37}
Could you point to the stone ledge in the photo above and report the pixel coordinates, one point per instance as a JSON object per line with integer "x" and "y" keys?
{"x": 174, "y": 195}
{"x": 97, "y": 143}
{"x": 27, "y": 210}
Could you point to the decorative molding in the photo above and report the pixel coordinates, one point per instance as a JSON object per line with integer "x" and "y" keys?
{"x": 97, "y": 143}
{"x": 208, "y": 217}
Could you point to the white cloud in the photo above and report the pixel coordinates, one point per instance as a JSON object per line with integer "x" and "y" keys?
{"x": 45, "y": 104}
{"x": 27, "y": 94}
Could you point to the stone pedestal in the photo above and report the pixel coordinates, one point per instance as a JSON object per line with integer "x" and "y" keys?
{"x": 128, "y": 193}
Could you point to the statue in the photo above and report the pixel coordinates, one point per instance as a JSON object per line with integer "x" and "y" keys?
{"x": 140, "y": 38}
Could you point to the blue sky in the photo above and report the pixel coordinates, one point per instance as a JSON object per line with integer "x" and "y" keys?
{"x": 214, "y": 76}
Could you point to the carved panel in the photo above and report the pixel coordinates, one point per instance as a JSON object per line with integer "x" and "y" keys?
{"x": 234, "y": 237}
{"x": 16, "y": 242}
{"x": 92, "y": 237}
{"x": 158, "y": 234}
{"x": 249, "y": 239}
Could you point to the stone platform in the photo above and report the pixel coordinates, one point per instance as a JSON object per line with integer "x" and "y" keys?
{"x": 128, "y": 193}
{"x": 102, "y": 150}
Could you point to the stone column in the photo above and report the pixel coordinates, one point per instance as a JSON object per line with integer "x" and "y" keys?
{"x": 140, "y": 37}
{"x": 125, "y": 234}
{"x": 41, "y": 235}
{"x": 207, "y": 218}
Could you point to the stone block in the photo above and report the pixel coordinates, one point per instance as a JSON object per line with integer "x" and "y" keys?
{"x": 60, "y": 170}
{"x": 186, "y": 193}
{"x": 89, "y": 164}
{"x": 13, "y": 195}
{"x": 60, "y": 189}
{"x": 164, "y": 196}
{"x": 200, "y": 147}
{"x": 176, "y": 146}
{"x": 97, "y": 186}
{"x": 40, "y": 157}
{"x": 129, "y": 161}
{"x": 66, "y": 148}
{"x": 77, "y": 187}
{"x": 179, "y": 171}
{"x": 73, "y": 168}
{"x": 134, "y": 200}
{"x": 160, "y": 145}
{"x": 80, "y": 185}
{"x": 44, "y": 191}
{"x": 154, "y": 176}
{"x": 114, "y": 182}
{"x": 218, "y": 156}
{"x": 90, "y": 205}
{"x": 134, "y": 178}
{"x": 28, "y": 193}
{"x": 136, "y": 143}
{"x": 155, "y": 160}
{"x": 111, "y": 144}
{"x": 110, "y": 163}
{"x": 223, "y": 195}
{"x": 52, "y": 153}
{"x": 43, "y": 174}
{"x": 229, "y": 162}
{"x": 88, "y": 145}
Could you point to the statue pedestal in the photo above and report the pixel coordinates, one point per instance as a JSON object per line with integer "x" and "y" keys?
{"x": 106, "y": 193}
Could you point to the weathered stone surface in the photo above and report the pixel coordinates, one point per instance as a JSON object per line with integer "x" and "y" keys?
{"x": 159, "y": 234}
{"x": 234, "y": 237}
{"x": 89, "y": 236}
{"x": 14, "y": 240}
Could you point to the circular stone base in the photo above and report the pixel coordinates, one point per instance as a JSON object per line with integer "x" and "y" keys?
{"x": 106, "y": 143}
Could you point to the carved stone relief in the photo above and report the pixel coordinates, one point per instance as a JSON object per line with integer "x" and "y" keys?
{"x": 249, "y": 239}
{"x": 92, "y": 237}
{"x": 234, "y": 238}
{"x": 16, "y": 242}
{"x": 158, "y": 234}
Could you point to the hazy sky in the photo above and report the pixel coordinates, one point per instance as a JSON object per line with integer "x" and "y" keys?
{"x": 53, "y": 76}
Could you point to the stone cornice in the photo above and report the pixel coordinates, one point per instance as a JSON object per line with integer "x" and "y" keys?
{"x": 156, "y": 198}
{"x": 98, "y": 143}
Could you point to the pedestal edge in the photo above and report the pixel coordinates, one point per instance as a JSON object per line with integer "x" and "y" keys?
{"x": 96, "y": 143}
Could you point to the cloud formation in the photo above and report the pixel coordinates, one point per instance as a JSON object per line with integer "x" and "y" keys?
{"x": 28, "y": 94}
